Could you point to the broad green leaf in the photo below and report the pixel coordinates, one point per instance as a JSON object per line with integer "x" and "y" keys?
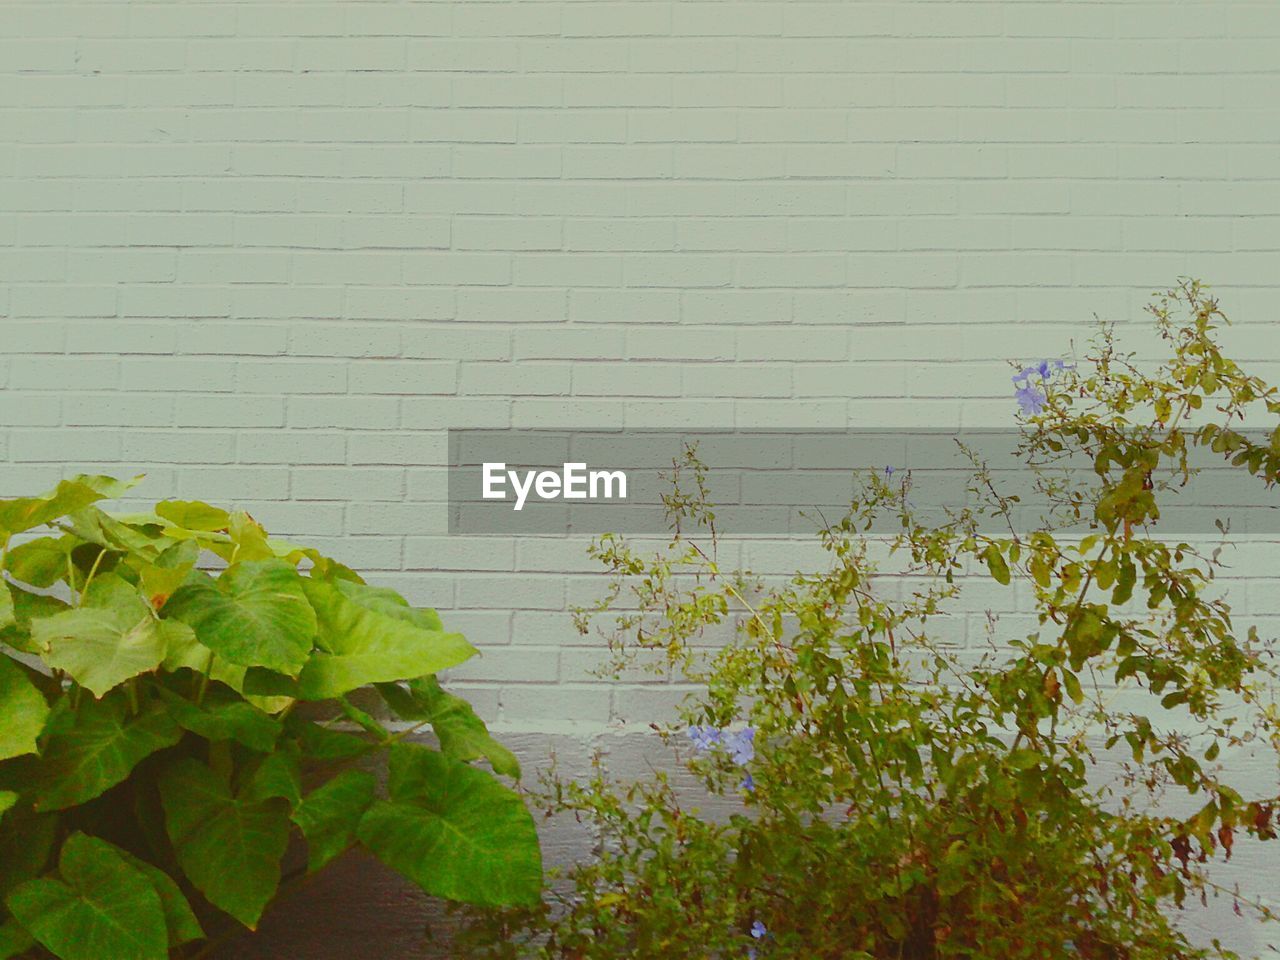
{"x": 249, "y": 537}
{"x": 93, "y": 748}
{"x": 385, "y": 600}
{"x": 278, "y": 774}
{"x": 23, "y": 711}
{"x": 112, "y": 638}
{"x": 262, "y": 682}
{"x": 330, "y": 815}
{"x": 193, "y": 515}
{"x": 169, "y": 572}
{"x": 14, "y": 940}
{"x": 41, "y": 562}
{"x": 255, "y": 615}
{"x": 223, "y": 715}
{"x": 27, "y": 607}
{"x": 229, "y": 847}
{"x": 8, "y": 617}
{"x": 322, "y": 743}
{"x": 101, "y": 907}
{"x": 26, "y": 843}
{"x": 359, "y": 644}
{"x": 179, "y": 919}
{"x": 98, "y": 527}
{"x": 455, "y": 831}
{"x": 236, "y": 677}
{"x": 462, "y": 734}
{"x": 26, "y": 513}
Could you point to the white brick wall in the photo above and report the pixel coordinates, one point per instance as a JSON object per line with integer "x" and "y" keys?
{"x": 267, "y": 252}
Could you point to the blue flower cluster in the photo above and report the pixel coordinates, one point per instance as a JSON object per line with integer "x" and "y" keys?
{"x": 741, "y": 745}
{"x": 1030, "y": 396}
{"x": 758, "y": 932}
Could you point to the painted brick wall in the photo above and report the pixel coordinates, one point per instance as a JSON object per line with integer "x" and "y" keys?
{"x": 267, "y": 252}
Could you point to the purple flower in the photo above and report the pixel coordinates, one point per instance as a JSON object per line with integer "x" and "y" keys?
{"x": 1045, "y": 369}
{"x": 742, "y": 746}
{"x": 748, "y": 783}
{"x": 758, "y": 930}
{"x": 704, "y": 738}
{"x": 1030, "y": 399}
{"x": 1024, "y": 374}
{"x": 888, "y": 472}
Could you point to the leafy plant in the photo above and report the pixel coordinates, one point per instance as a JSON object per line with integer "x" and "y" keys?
{"x": 165, "y": 731}
{"x": 900, "y": 799}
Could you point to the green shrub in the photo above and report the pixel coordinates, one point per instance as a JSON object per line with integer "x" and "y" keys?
{"x": 164, "y": 732}
{"x": 902, "y": 800}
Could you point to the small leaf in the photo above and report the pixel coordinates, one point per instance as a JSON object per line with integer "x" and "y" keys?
{"x": 23, "y": 711}
{"x": 330, "y": 815}
{"x": 1072, "y": 683}
{"x": 1126, "y": 577}
{"x": 455, "y": 831}
{"x": 996, "y": 564}
{"x": 229, "y": 847}
{"x": 254, "y": 615}
{"x": 101, "y": 907}
{"x": 7, "y": 799}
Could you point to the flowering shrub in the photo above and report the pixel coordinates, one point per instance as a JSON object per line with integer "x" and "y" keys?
{"x": 898, "y": 800}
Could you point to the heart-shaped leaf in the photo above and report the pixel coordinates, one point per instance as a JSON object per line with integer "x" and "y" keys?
{"x": 14, "y": 940}
{"x": 25, "y": 513}
{"x": 222, "y": 715}
{"x": 41, "y": 562}
{"x": 455, "y": 831}
{"x": 361, "y": 641}
{"x": 254, "y": 615}
{"x": 101, "y": 907}
{"x": 112, "y": 638}
{"x": 228, "y": 846}
{"x": 179, "y": 919}
{"x": 93, "y": 748}
{"x": 330, "y": 815}
{"x": 462, "y": 734}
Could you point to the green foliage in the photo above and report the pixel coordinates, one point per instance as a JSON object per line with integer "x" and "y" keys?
{"x": 167, "y": 728}
{"x": 900, "y": 799}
